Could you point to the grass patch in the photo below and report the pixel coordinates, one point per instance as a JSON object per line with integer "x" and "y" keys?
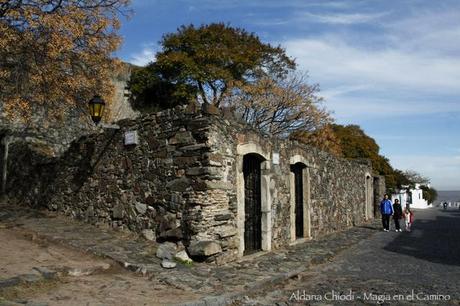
{"x": 27, "y": 290}
{"x": 184, "y": 262}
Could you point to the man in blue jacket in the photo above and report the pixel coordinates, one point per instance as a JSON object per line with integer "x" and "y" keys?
{"x": 386, "y": 209}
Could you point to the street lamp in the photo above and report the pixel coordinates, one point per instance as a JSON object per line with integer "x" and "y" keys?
{"x": 96, "y": 108}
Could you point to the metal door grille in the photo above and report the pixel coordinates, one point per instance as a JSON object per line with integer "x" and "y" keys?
{"x": 252, "y": 204}
{"x": 298, "y": 183}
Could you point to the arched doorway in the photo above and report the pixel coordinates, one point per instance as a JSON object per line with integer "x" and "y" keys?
{"x": 253, "y": 199}
{"x": 297, "y": 170}
{"x": 300, "y": 198}
{"x": 369, "y": 194}
{"x": 252, "y": 203}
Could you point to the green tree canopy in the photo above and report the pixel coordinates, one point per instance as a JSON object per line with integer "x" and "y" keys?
{"x": 151, "y": 90}
{"x": 357, "y": 144}
{"x": 213, "y": 59}
{"x": 429, "y": 193}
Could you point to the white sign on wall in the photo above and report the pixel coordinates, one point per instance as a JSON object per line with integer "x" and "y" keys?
{"x": 131, "y": 138}
{"x": 276, "y": 158}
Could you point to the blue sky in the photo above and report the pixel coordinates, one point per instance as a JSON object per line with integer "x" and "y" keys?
{"x": 392, "y": 67}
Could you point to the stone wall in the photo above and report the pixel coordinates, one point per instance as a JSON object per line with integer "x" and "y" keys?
{"x": 56, "y": 134}
{"x": 120, "y": 108}
{"x": 337, "y": 195}
{"x": 183, "y": 180}
{"x": 379, "y": 192}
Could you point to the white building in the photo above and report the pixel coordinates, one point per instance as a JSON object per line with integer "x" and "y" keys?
{"x": 411, "y": 196}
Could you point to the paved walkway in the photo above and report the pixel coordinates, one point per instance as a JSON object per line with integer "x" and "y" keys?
{"x": 216, "y": 284}
{"x": 422, "y": 266}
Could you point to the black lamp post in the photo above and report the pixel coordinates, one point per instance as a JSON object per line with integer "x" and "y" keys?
{"x": 96, "y": 108}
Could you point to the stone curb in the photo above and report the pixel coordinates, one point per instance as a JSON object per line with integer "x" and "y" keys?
{"x": 228, "y": 298}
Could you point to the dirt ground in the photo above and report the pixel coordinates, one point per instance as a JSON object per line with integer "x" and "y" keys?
{"x": 107, "y": 284}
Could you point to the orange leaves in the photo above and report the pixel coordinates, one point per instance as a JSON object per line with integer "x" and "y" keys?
{"x": 16, "y": 107}
{"x": 57, "y": 54}
{"x": 323, "y": 138}
{"x": 280, "y": 106}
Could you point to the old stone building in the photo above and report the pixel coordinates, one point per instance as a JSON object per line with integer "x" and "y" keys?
{"x": 201, "y": 178}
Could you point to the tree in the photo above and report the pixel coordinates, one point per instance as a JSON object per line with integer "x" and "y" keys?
{"x": 356, "y": 144}
{"x": 323, "y": 138}
{"x": 416, "y": 178}
{"x": 56, "y": 54}
{"x": 226, "y": 66}
{"x": 401, "y": 179}
{"x": 280, "y": 106}
{"x": 151, "y": 91}
{"x": 430, "y": 194}
{"x": 215, "y": 58}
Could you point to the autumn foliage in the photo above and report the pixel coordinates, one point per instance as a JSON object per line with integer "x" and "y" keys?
{"x": 279, "y": 106}
{"x": 56, "y": 53}
{"x": 322, "y": 138}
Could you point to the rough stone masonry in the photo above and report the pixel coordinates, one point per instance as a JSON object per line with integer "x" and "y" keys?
{"x": 201, "y": 178}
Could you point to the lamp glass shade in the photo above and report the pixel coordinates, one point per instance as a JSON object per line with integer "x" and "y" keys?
{"x": 96, "y": 108}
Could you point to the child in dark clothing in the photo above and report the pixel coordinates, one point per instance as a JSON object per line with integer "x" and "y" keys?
{"x": 397, "y": 214}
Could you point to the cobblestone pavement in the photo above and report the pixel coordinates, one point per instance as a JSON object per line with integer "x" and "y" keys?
{"x": 211, "y": 284}
{"x": 423, "y": 266}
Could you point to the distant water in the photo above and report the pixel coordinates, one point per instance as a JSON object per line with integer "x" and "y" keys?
{"x": 448, "y": 196}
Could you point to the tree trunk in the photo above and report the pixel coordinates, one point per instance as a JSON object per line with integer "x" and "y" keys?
{"x": 5, "y": 142}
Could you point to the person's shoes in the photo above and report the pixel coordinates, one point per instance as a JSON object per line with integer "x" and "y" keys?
{"x": 385, "y": 230}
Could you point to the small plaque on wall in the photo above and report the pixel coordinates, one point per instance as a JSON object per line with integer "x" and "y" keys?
{"x": 131, "y": 138}
{"x": 276, "y": 158}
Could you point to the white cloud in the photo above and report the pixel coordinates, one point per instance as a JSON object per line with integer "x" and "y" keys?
{"x": 344, "y": 19}
{"x": 332, "y": 60}
{"x": 274, "y": 4}
{"x": 434, "y": 32}
{"x": 334, "y": 19}
{"x": 442, "y": 170}
{"x": 353, "y": 108}
{"x": 145, "y": 56}
{"x": 410, "y": 65}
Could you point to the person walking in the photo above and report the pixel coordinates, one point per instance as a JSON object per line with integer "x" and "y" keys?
{"x": 386, "y": 210}
{"x": 397, "y": 214}
{"x": 409, "y": 218}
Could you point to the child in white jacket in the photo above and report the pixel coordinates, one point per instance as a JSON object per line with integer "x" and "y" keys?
{"x": 409, "y": 218}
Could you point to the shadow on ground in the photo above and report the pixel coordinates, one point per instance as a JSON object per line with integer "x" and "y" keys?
{"x": 434, "y": 238}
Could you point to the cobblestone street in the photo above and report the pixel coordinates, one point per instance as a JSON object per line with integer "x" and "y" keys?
{"x": 374, "y": 265}
{"x": 148, "y": 283}
{"x": 423, "y": 266}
